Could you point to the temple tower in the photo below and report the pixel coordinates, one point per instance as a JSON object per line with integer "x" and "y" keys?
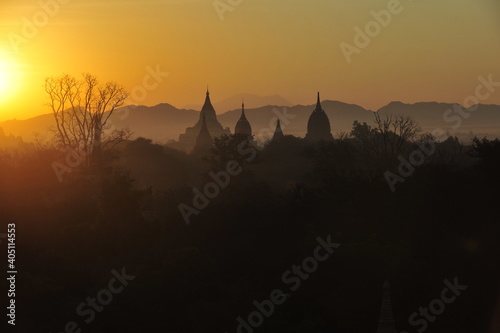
{"x": 188, "y": 140}
{"x": 318, "y": 126}
{"x": 386, "y": 323}
{"x": 278, "y": 133}
{"x": 204, "y": 141}
{"x": 243, "y": 126}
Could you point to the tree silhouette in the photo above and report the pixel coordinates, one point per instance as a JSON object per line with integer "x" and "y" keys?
{"x": 81, "y": 110}
{"x": 395, "y": 134}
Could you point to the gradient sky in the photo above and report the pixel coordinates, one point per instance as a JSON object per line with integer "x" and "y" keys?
{"x": 434, "y": 50}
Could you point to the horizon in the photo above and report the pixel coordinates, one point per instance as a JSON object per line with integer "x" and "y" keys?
{"x": 265, "y": 46}
{"x": 261, "y": 106}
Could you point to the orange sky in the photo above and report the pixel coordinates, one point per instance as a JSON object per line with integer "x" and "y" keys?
{"x": 431, "y": 50}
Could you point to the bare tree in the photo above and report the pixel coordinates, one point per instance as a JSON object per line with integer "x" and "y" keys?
{"x": 81, "y": 110}
{"x": 381, "y": 145}
{"x": 396, "y": 134}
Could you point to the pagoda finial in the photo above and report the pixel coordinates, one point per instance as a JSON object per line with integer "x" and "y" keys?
{"x": 208, "y": 92}
{"x": 318, "y": 104}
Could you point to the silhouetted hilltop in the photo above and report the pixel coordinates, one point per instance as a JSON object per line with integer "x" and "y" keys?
{"x": 28, "y": 128}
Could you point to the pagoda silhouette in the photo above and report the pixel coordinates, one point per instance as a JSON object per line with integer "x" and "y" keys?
{"x": 243, "y": 126}
{"x": 318, "y": 126}
{"x": 199, "y": 138}
{"x": 386, "y": 322}
{"x": 187, "y": 141}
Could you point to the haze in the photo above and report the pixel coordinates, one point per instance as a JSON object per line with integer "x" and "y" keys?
{"x": 431, "y": 51}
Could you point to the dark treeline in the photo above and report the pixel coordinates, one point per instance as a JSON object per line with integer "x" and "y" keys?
{"x": 440, "y": 223}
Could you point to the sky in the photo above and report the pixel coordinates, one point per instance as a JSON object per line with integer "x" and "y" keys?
{"x": 426, "y": 50}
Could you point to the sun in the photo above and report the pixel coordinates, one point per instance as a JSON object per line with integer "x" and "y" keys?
{"x": 8, "y": 77}
{"x": 4, "y": 78}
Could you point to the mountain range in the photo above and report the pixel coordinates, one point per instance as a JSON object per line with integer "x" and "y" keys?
{"x": 163, "y": 123}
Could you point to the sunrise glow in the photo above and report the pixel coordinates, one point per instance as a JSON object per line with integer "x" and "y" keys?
{"x": 430, "y": 51}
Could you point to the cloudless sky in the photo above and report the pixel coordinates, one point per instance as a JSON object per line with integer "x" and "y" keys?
{"x": 434, "y": 50}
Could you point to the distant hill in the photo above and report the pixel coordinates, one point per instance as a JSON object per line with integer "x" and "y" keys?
{"x": 27, "y": 129}
{"x": 165, "y": 122}
{"x": 251, "y": 101}
{"x": 483, "y": 122}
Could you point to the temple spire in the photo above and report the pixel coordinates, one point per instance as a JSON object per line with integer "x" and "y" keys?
{"x": 278, "y": 133}
{"x": 386, "y": 323}
{"x": 318, "y": 126}
{"x": 243, "y": 126}
{"x": 207, "y": 119}
{"x": 208, "y": 111}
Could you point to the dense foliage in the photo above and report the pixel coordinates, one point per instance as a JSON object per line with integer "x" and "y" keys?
{"x": 440, "y": 223}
